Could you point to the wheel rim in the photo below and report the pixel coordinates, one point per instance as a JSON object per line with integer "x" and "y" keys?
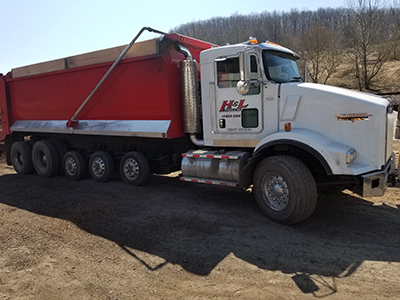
{"x": 131, "y": 169}
{"x": 71, "y": 166}
{"x": 98, "y": 166}
{"x": 42, "y": 159}
{"x": 275, "y": 191}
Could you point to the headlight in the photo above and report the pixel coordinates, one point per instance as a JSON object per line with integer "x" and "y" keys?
{"x": 350, "y": 155}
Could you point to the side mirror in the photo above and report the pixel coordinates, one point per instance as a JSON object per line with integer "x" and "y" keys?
{"x": 243, "y": 86}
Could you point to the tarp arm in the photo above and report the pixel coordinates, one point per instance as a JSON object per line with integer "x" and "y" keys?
{"x": 71, "y": 122}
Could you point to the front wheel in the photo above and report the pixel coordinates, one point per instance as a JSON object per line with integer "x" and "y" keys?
{"x": 285, "y": 189}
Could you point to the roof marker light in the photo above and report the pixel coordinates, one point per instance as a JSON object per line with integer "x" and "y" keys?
{"x": 272, "y": 43}
{"x": 253, "y": 40}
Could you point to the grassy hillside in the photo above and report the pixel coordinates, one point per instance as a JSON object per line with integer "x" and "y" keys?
{"x": 386, "y": 82}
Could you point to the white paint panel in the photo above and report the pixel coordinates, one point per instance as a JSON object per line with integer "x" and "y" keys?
{"x": 290, "y": 108}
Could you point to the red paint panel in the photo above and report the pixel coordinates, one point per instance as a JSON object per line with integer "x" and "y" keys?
{"x": 135, "y": 90}
{"x": 4, "y": 113}
{"x": 144, "y": 88}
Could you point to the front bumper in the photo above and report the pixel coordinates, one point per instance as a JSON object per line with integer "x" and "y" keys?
{"x": 376, "y": 183}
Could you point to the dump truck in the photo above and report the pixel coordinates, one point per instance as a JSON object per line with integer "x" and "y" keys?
{"x": 236, "y": 115}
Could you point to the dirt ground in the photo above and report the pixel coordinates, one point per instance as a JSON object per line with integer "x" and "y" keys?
{"x": 175, "y": 240}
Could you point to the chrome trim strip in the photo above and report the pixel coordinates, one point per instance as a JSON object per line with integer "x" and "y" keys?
{"x": 209, "y": 181}
{"x": 133, "y": 128}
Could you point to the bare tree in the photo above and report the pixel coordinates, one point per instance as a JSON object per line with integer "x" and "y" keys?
{"x": 320, "y": 49}
{"x": 394, "y": 19}
{"x": 366, "y": 30}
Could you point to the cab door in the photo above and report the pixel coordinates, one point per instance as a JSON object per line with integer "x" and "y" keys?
{"x": 236, "y": 113}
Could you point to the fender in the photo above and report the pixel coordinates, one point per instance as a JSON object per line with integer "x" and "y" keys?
{"x": 332, "y": 155}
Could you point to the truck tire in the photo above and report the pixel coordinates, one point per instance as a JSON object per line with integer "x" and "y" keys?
{"x": 285, "y": 189}
{"x": 45, "y": 158}
{"x": 21, "y": 158}
{"x": 134, "y": 168}
{"x": 62, "y": 149}
{"x": 74, "y": 165}
{"x": 101, "y": 166}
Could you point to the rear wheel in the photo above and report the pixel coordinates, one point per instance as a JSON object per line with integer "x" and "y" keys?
{"x": 62, "y": 149}
{"x": 134, "y": 168}
{"x": 21, "y": 157}
{"x": 45, "y": 158}
{"x": 101, "y": 166}
{"x": 285, "y": 189}
{"x": 74, "y": 165}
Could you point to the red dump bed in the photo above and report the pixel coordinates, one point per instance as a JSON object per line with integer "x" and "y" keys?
{"x": 141, "y": 97}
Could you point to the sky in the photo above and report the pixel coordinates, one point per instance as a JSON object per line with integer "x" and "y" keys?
{"x": 42, "y": 30}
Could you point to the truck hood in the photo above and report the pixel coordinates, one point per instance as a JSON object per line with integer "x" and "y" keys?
{"x": 348, "y": 117}
{"x": 321, "y": 90}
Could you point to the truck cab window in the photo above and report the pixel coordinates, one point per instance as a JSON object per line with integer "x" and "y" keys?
{"x": 281, "y": 67}
{"x": 255, "y": 84}
{"x": 250, "y": 118}
{"x": 228, "y": 73}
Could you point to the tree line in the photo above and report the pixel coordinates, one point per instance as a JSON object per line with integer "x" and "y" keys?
{"x": 365, "y": 33}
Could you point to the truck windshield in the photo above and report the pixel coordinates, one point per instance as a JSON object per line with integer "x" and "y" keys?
{"x": 281, "y": 67}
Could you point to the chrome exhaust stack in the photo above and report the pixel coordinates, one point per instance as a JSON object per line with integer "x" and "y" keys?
{"x": 190, "y": 95}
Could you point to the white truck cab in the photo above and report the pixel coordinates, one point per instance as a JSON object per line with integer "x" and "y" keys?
{"x": 253, "y": 98}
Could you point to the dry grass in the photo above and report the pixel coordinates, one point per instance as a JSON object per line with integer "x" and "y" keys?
{"x": 386, "y": 82}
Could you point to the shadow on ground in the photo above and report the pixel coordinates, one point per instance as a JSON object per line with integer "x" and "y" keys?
{"x": 197, "y": 226}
